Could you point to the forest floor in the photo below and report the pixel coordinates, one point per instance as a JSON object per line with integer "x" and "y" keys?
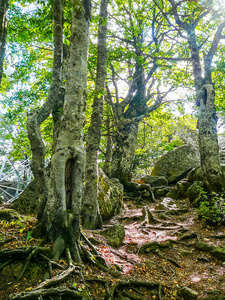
{"x": 163, "y": 251}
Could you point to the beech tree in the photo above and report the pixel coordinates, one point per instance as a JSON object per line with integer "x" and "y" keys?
{"x": 3, "y": 24}
{"x": 90, "y": 212}
{"x": 59, "y": 216}
{"x": 140, "y": 45}
{"x": 202, "y": 54}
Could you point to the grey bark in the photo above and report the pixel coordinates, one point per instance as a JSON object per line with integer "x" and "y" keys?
{"x": 37, "y": 117}
{"x": 90, "y": 211}
{"x": 3, "y": 32}
{"x": 108, "y": 154}
{"x": 61, "y": 218}
{"x": 205, "y": 96}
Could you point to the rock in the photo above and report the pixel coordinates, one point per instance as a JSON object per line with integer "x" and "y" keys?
{"x": 175, "y": 164}
{"x": 160, "y": 191}
{"x": 173, "y": 193}
{"x": 215, "y": 295}
{"x": 187, "y": 293}
{"x": 110, "y": 193}
{"x": 182, "y": 187}
{"x": 162, "y": 216}
{"x": 9, "y": 214}
{"x": 115, "y": 235}
{"x": 195, "y": 175}
{"x": 169, "y": 203}
{"x": 217, "y": 252}
{"x": 154, "y": 180}
{"x": 194, "y": 190}
{"x": 28, "y": 200}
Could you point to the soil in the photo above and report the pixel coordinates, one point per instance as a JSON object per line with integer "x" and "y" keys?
{"x": 162, "y": 252}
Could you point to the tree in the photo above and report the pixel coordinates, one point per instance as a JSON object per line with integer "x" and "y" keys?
{"x": 90, "y": 212}
{"x": 198, "y": 15}
{"x": 3, "y": 25}
{"x": 138, "y": 50}
{"x": 59, "y": 217}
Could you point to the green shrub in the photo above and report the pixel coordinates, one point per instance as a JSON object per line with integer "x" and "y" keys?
{"x": 212, "y": 208}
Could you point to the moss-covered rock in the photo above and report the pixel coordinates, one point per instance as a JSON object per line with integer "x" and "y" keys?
{"x": 195, "y": 175}
{"x": 9, "y": 214}
{"x": 175, "y": 164}
{"x": 215, "y": 295}
{"x": 154, "y": 180}
{"x": 187, "y": 293}
{"x": 110, "y": 192}
{"x": 193, "y": 191}
{"x": 28, "y": 200}
{"x": 217, "y": 252}
{"x": 115, "y": 235}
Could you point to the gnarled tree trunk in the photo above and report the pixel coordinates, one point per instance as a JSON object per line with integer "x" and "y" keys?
{"x": 61, "y": 218}
{"x": 90, "y": 211}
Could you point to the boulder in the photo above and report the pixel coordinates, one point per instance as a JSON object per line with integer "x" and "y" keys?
{"x": 8, "y": 214}
{"x": 161, "y": 191}
{"x": 154, "y": 180}
{"x": 215, "y": 295}
{"x": 194, "y": 190}
{"x": 175, "y": 164}
{"x": 110, "y": 192}
{"x": 115, "y": 235}
{"x": 195, "y": 175}
{"x": 28, "y": 200}
{"x": 187, "y": 293}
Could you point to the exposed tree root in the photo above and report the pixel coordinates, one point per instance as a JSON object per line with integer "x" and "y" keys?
{"x": 21, "y": 253}
{"x": 5, "y": 241}
{"x": 148, "y": 217}
{"x": 58, "y": 278}
{"x": 60, "y": 291}
{"x": 127, "y": 283}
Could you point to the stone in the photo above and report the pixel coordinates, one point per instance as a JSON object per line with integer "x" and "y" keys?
{"x": 175, "y": 164}
{"x": 195, "y": 175}
{"x": 194, "y": 190}
{"x": 9, "y": 214}
{"x": 169, "y": 203}
{"x": 28, "y": 200}
{"x": 154, "y": 180}
{"x": 110, "y": 196}
{"x": 215, "y": 295}
{"x": 115, "y": 235}
{"x": 187, "y": 293}
{"x": 182, "y": 187}
{"x": 160, "y": 191}
{"x": 173, "y": 193}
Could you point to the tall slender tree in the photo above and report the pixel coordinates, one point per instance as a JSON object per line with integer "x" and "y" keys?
{"x": 3, "y": 24}
{"x": 205, "y": 91}
{"x": 90, "y": 212}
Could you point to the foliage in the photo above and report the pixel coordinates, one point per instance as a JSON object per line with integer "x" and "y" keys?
{"x": 212, "y": 207}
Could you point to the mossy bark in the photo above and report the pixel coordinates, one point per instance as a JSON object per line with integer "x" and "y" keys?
{"x": 90, "y": 211}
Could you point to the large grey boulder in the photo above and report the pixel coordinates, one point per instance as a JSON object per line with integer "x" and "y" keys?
{"x": 175, "y": 164}
{"x": 154, "y": 180}
{"x": 110, "y": 196}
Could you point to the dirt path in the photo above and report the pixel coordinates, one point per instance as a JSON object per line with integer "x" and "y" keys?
{"x": 166, "y": 247}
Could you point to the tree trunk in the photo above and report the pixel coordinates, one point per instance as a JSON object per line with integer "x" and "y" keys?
{"x": 36, "y": 118}
{"x": 3, "y": 24}
{"x": 90, "y": 211}
{"x": 124, "y": 152}
{"x": 208, "y": 142}
{"x": 61, "y": 218}
{"x": 108, "y": 154}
